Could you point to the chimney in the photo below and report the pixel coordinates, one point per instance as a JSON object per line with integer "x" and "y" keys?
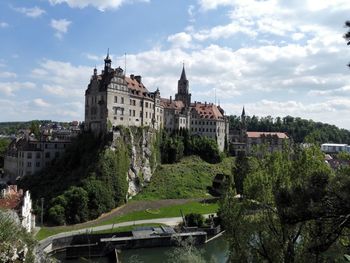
{"x": 205, "y": 104}
{"x": 171, "y": 99}
{"x": 132, "y": 76}
{"x": 138, "y": 79}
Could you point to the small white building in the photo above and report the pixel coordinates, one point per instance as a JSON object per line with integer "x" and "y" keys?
{"x": 14, "y": 200}
{"x": 334, "y": 148}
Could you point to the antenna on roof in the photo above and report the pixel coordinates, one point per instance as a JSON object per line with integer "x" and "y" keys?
{"x": 215, "y": 94}
{"x": 125, "y": 64}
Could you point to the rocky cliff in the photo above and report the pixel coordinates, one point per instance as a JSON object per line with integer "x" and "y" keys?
{"x": 144, "y": 155}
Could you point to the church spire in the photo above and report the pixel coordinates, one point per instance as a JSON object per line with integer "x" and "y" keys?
{"x": 183, "y": 73}
{"x": 243, "y": 112}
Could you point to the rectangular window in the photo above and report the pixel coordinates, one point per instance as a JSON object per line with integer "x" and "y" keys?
{"x": 133, "y": 113}
{"x": 146, "y": 105}
{"x": 47, "y": 155}
{"x": 115, "y": 99}
{"x": 140, "y": 114}
{"x": 129, "y": 112}
{"x": 122, "y": 100}
{"x": 29, "y": 164}
{"x": 38, "y": 155}
{"x": 57, "y": 154}
{"x": 146, "y": 113}
{"x": 37, "y": 164}
{"x": 29, "y": 155}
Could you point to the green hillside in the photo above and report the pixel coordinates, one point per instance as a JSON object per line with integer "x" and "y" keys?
{"x": 187, "y": 179}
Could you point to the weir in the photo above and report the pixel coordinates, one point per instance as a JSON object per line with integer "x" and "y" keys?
{"x": 101, "y": 245}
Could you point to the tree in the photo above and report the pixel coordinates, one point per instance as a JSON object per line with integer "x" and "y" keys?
{"x": 347, "y": 34}
{"x": 57, "y": 215}
{"x": 240, "y": 170}
{"x": 4, "y": 143}
{"x": 77, "y": 205}
{"x": 294, "y": 208}
{"x": 35, "y": 128}
{"x": 100, "y": 199}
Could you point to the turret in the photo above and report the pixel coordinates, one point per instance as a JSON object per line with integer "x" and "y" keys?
{"x": 183, "y": 89}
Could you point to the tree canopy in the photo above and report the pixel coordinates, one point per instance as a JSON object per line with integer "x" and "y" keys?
{"x": 300, "y": 130}
{"x": 294, "y": 207}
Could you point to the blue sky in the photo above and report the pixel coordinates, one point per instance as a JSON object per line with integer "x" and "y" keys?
{"x": 275, "y": 57}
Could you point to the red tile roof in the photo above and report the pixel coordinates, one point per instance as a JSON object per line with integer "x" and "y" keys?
{"x": 207, "y": 111}
{"x": 174, "y": 104}
{"x": 12, "y": 202}
{"x": 134, "y": 85}
{"x": 280, "y": 135}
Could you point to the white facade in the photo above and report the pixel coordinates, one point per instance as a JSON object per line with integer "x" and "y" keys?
{"x": 26, "y": 156}
{"x": 335, "y": 148}
{"x": 27, "y": 218}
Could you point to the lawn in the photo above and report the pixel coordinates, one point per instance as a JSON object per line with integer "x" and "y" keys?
{"x": 169, "y": 211}
{"x": 190, "y": 178}
{"x": 164, "y": 212}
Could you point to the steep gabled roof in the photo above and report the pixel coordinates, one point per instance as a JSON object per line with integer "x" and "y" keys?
{"x": 280, "y": 135}
{"x": 173, "y": 104}
{"x": 207, "y": 111}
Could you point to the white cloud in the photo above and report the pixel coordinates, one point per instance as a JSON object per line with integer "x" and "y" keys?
{"x": 9, "y": 88}
{"x": 224, "y": 31}
{"x": 92, "y": 57}
{"x": 30, "y": 12}
{"x": 101, "y": 5}
{"x": 3, "y": 24}
{"x": 62, "y": 79}
{"x": 181, "y": 39}
{"x": 213, "y": 4}
{"x": 7, "y": 74}
{"x": 61, "y": 27}
{"x": 40, "y": 102}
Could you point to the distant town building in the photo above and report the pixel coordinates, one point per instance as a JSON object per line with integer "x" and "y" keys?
{"x": 113, "y": 99}
{"x": 27, "y": 155}
{"x": 14, "y": 200}
{"x": 335, "y": 148}
{"x": 247, "y": 141}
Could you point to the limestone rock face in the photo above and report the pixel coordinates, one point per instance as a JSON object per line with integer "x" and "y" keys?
{"x": 141, "y": 143}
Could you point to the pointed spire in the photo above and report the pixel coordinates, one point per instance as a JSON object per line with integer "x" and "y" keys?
{"x": 243, "y": 112}
{"x": 183, "y": 73}
{"x": 107, "y": 57}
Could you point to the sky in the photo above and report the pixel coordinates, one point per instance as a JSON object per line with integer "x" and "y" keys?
{"x": 274, "y": 57}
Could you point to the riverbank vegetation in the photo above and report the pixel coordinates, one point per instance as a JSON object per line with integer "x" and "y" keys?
{"x": 293, "y": 207}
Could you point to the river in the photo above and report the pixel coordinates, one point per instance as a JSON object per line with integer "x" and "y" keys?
{"x": 216, "y": 250}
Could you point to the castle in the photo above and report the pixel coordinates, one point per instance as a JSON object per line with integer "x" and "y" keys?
{"x": 113, "y": 99}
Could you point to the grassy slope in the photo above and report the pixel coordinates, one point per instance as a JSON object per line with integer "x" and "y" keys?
{"x": 187, "y": 179}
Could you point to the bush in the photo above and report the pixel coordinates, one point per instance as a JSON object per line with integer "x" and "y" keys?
{"x": 57, "y": 215}
{"x": 194, "y": 220}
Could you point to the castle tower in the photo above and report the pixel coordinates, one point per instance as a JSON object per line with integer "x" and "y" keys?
{"x": 183, "y": 89}
{"x": 108, "y": 63}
